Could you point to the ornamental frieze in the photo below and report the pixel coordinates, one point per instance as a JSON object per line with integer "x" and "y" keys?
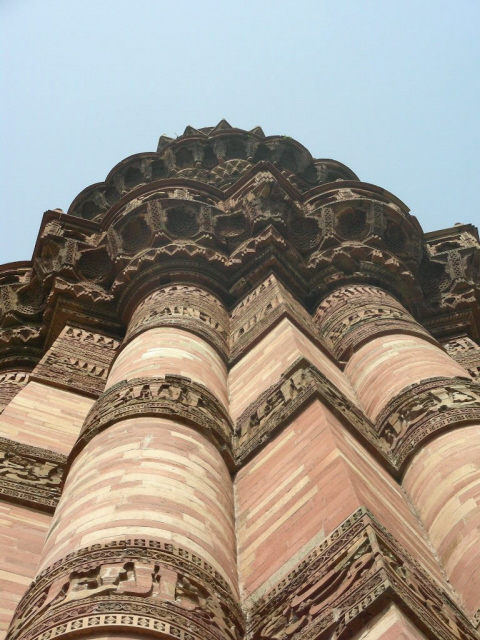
{"x": 30, "y": 475}
{"x": 140, "y": 583}
{"x": 352, "y": 315}
{"x": 79, "y": 360}
{"x": 259, "y": 310}
{"x": 348, "y": 578}
{"x": 298, "y": 386}
{"x": 466, "y": 352}
{"x": 170, "y": 396}
{"x": 183, "y": 306}
{"x": 424, "y": 409}
{"x": 11, "y": 382}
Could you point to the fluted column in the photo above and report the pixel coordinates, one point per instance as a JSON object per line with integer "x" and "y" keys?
{"x": 426, "y": 410}
{"x": 143, "y": 537}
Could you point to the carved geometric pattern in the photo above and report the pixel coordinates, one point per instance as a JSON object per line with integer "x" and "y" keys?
{"x": 30, "y": 475}
{"x": 78, "y": 359}
{"x": 170, "y": 396}
{"x": 10, "y": 384}
{"x": 466, "y": 352}
{"x": 142, "y": 583}
{"x": 425, "y": 408}
{"x": 183, "y": 306}
{"x": 299, "y": 385}
{"x": 351, "y": 315}
{"x": 347, "y": 579}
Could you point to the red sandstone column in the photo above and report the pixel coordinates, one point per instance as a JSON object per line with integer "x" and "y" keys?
{"x": 426, "y": 410}
{"x": 143, "y": 538}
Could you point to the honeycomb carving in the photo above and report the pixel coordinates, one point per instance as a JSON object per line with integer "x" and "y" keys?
{"x": 351, "y": 223}
{"x": 182, "y": 222}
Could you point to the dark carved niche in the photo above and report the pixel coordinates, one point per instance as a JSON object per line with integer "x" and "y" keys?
{"x": 133, "y": 177}
{"x": 288, "y": 160}
{"x": 351, "y": 223}
{"x": 159, "y": 170}
{"x": 395, "y": 238}
{"x": 210, "y": 159}
{"x": 184, "y": 158}
{"x": 235, "y": 148}
{"x": 262, "y": 153}
{"x": 90, "y": 210}
{"x": 182, "y": 222}
{"x": 94, "y": 265}
{"x": 136, "y": 235}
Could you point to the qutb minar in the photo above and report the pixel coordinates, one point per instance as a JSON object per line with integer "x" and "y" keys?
{"x": 240, "y": 400}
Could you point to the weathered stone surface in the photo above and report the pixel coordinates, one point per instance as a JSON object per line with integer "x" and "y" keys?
{"x": 247, "y": 383}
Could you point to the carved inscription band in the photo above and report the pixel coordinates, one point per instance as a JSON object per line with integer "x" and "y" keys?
{"x": 171, "y": 396}
{"x": 423, "y": 409}
{"x": 30, "y": 475}
{"x": 352, "y": 315}
{"x": 183, "y": 307}
{"x": 353, "y": 574}
{"x": 300, "y": 384}
{"x": 140, "y": 583}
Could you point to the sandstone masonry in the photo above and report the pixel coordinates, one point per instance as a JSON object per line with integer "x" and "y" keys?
{"x": 240, "y": 399}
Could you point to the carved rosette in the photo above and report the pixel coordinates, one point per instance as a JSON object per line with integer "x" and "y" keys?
{"x": 350, "y": 316}
{"x": 352, "y": 575}
{"x": 30, "y": 475}
{"x": 171, "y": 396}
{"x": 183, "y": 307}
{"x": 424, "y": 409}
{"x": 137, "y": 584}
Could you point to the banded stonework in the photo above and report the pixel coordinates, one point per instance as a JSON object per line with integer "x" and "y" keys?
{"x": 239, "y": 400}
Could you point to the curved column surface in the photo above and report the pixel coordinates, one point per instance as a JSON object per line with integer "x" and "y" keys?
{"x": 150, "y": 478}
{"x": 166, "y": 350}
{"x": 420, "y": 401}
{"x": 385, "y": 366}
{"x": 144, "y": 531}
{"x": 443, "y": 480}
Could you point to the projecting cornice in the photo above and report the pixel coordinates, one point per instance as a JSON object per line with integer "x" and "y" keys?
{"x": 223, "y": 208}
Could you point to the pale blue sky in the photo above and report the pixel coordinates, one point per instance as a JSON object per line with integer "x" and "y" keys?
{"x": 390, "y": 88}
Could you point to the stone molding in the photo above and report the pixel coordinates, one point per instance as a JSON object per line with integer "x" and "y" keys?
{"x": 78, "y": 360}
{"x": 11, "y": 382}
{"x": 353, "y": 574}
{"x": 257, "y": 312}
{"x": 30, "y": 475}
{"x": 141, "y": 584}
{"x": 466, "y": 352}
{"x": 424, "y": 409}
{"x": 184, "y": 307}
{"x": 414, "y": 415}
{"x": 275, "y": 407}
{"x": 351, "y": 316}
{"x": 170, "y": 396}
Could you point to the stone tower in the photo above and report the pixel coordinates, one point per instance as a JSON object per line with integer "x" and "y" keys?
{"x": 240, "y": 400}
